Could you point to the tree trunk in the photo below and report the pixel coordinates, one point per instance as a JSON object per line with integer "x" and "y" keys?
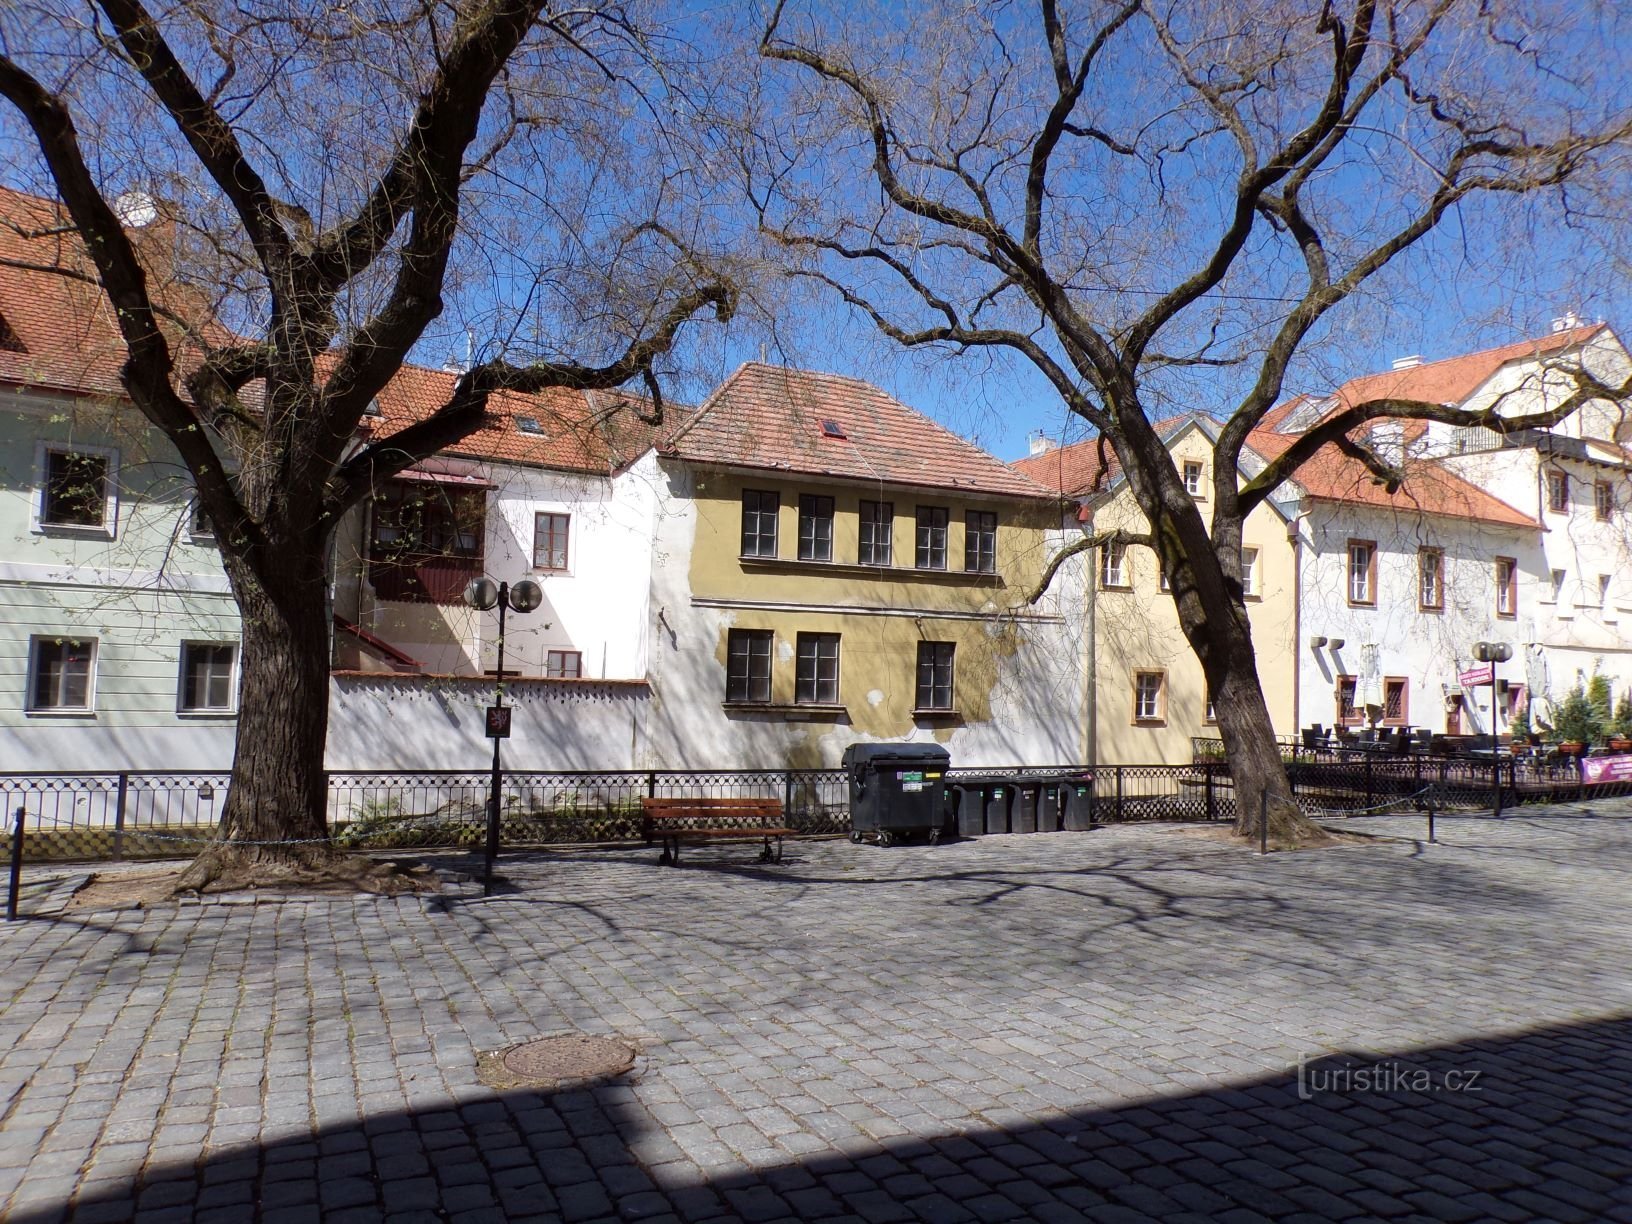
{"x": 273, "y": 828}
{"x": 1262, "y": 789}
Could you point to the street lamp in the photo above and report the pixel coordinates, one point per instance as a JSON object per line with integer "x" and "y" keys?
{"x": 1494, "y": 653}
{"x": 484, "y": 594}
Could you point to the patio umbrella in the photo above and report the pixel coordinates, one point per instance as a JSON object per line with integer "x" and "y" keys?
{"x": 1368, "y": 690}
{"x": 1537, "y": 683}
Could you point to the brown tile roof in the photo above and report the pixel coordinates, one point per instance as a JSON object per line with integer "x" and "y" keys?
{"x": 770, "y": 417}
{"x": 65, "y": 339}
{"x": 63, "y": 331}
{"x": 1448, "y": 381}
{"x": 1428, "y": 488}
{"x": 581, "y": 431}
{"x": 1082, "y": 468}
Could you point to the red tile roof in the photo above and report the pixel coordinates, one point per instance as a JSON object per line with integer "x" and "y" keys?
{"x": 770, "y": 417}
{"x": 1428, "y": 488}
{"x": 1448, "y": 381}
{"x": 1083, "y": 468}
{"x": 70, "y": 342}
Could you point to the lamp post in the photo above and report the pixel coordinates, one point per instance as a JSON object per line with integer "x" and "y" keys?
{"x": 1494, "y": 653}
{"x": 484, "y": 594}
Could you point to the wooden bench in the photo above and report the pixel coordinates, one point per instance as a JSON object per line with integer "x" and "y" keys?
{"x": 672, "y": 821}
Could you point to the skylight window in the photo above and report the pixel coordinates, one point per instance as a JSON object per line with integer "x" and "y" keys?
{"x": 528, "y": 425}
{"x": 832, "y": 429}
{"x": 372, "y": 409}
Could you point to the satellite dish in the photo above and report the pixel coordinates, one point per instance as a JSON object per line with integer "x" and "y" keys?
{"x": 135, "y": 209}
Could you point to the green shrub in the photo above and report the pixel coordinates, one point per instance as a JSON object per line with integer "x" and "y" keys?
{"x": 1578, "y": 720}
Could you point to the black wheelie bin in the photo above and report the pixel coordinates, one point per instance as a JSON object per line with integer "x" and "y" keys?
{"x": 897, "y": 791}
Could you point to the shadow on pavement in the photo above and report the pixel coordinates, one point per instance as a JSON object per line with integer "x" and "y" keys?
{"x": 1532, "y": 1126}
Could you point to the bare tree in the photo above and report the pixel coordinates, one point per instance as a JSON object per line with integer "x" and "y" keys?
{"x": 1129, "y": 196}
{"x": 335, "y": 154}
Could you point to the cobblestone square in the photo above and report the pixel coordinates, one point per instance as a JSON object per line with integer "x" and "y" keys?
{"x": 1136, "y": 1023}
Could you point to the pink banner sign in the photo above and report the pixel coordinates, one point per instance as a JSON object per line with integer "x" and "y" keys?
{"x": 1607, "y": 769}
{"x": 1476, "y": 675}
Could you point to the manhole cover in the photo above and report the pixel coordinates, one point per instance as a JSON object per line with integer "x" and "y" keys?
{"x": 578, "y": 1056}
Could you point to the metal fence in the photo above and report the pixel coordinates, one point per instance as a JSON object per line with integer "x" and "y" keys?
{"x": 168, "y": 814}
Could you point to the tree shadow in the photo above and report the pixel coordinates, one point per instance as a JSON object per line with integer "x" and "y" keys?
{"x": 1534, "y": 1125}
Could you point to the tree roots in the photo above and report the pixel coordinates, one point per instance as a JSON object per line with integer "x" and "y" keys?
{"x": 295, "y": 869}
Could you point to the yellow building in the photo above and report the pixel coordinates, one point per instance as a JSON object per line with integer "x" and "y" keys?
{"x": 1148, "y": 698}
{"x": 832, "y": 567}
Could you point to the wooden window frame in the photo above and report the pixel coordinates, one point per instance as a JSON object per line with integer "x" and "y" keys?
{"x": 1603, "y": 500}
{"x": 1124, "y": 577}
{"x": 766, "y": 504}
{"x": 1558, "y": 491}
{"x": 980, "y": 541}
{"x": 46, "y": 502}
{"x": 1250, "y": 587}
{"x": 1438, "y": 571}
{"x": 809, "y": 659}
{"x": 1350, "y": 685}
{"x": 875, "y": 534}
{"x": 1370, "y": 601}
{"x": 941, "y": 657}
{"x": 815, "y": 528}
{"x": 744, "y": 685}
{"x": 1507, "y": 592}
{"x": 556, "y": 664}
{"x": 931, "y": 532}
{"x": 541, "y": 533}
{"x": 1199, "y": 490}
{"x": 1159, "y": 718}
{"x": 1403, "y": 717}
{"x": 37, "y": 645}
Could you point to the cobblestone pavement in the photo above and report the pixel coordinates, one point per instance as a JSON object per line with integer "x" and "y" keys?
{"x": 1138, "y": 1023}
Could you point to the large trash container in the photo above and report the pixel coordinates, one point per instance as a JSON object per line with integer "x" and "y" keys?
{"x": 1076, "y": 800}
{"x": 897, "y": 791}
{"x": 966, "y": 806}
{"x": 1027, "y": 798}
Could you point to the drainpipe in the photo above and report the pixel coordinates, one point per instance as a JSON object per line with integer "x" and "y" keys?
{"x": 1294, "y": 538}
{"x": 1090, "y": 670}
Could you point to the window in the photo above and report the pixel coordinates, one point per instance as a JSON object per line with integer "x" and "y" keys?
{"x": 1603, "y": 590}
{"x": 1249, "y": 571}
{"x": 931, "y": 537}
{"x": 817, "y": 678}
{"x": 208, "y": 678}
{"x": 1209, "y": 709}
{"x": 1193, "y": 474}
{"x": 1346, "y": 712}
{"x": 980, "y": 542}
{"x": 759, "y": 513}
{"x": 877, "y": 528}
{"x": 1396, "y": 709}
{"x": 564, "y": 664}
{"x": 1507, "y": 586}
{"x": 1557, "y": 576}
{"x": 1363, "y": 572}
{"x": 425, "y": 541}
{"x": 815, "y": 528}
{"x": 935, "y": 675}
{"x": 76, "y": 488}
{"x": 1603, "y": 500}
{"x": 1430, "y": 580}
{"x": 61, "y": 671}
{"x": 1149, "y": 696}
{"x": 550, "y": 541}
{"x": 748, "y": 665}
{"x": 1558, "y": 492}
{"x": 199, "y": 527}
{"x": 1113, "y": 565}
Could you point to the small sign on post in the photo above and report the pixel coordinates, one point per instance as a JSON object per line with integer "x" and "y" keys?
{"x": 498, "y": 722}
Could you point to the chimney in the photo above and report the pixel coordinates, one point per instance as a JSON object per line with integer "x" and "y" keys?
{"x": 1408, "y": 363}
{"x": 1040, "y": 442}
{"x": 1568, "y": 321}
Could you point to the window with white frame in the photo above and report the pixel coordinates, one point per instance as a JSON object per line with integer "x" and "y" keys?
{"x": 1363, "y": 572}
{"x": 1249, "y": 572}
{"x": 208, "y": 683}
{"x": 1507, "y": 587}
{"x": 1603, "y": 590}
{"x": 61, "y": 675}
{"x": 1194, "y": 472}
{"x": 1113, "y": 564}
{"x": 1558, "y": 576}
{"x": 1149, "y": 696}
{"x": 1431, "y": 579}
{"x": 76, "y": 488}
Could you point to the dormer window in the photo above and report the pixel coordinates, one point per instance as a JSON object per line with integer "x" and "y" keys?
{"x": 10, "y": 341}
